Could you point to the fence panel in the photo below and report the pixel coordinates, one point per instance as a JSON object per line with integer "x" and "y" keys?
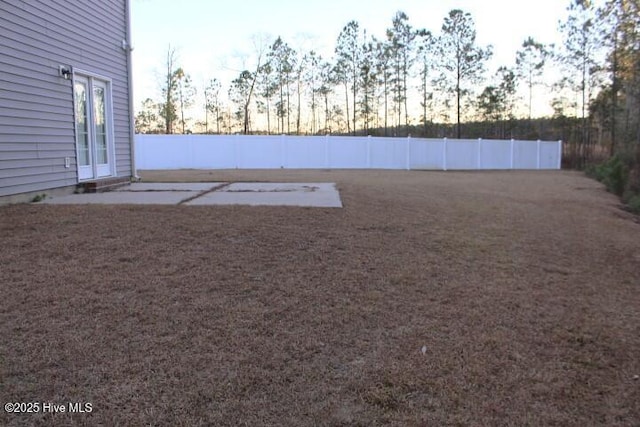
{"x": 346, "y": 152}
{"x": 258, "y": 152}
{"x": 525, "y": 155}
{"x": 211, "y": 155}
{"x": 309, "y": 153}
{"x": 387, "y": 153}
{"x": 495, "y": 154}
{"x": 550, "y": 155}
{"x": 427, "y": 154}
{"x": 462, "y": 154}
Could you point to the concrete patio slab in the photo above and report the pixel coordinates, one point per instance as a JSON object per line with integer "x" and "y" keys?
{"x": 123, "y": 197}
{"x": 319, "y": 194}
{"x": 277, "y": 187}
{"x": 169, "y": 186}
{"x": 273, "y": 194}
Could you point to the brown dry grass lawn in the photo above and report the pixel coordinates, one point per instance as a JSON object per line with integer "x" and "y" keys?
{"x": 523, "y": 286}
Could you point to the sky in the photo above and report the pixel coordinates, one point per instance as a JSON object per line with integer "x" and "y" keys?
{"x": 213, "y": 38}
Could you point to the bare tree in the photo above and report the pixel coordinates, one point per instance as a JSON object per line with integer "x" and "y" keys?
{"x": 530, "y": 61}
{"x": 168, "y": 107}
{"x": 146, "y": 120}
{"x": 327, "y": 83}
{"x": 212, "y": 103}
{"x": 579, "y": 53}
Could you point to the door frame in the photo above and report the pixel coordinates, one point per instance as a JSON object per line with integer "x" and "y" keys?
{"x": 109, "y": 169}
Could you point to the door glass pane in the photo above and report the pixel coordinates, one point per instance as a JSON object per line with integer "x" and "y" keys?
{"x": 82, "y": 131}
{"x": 100, "y": 120}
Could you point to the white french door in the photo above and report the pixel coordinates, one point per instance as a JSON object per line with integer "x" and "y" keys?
{"x": 94, "y": 143}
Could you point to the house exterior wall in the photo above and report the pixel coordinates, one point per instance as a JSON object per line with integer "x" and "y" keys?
{"x": 36, "y": 103}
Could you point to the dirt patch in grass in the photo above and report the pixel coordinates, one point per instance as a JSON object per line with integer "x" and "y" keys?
{"x": 523, "y": 287}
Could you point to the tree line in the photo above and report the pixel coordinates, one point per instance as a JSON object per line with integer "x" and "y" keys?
{"x": 371, "y": 82}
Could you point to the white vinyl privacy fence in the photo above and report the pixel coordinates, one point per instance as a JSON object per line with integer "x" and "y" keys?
{"x": 341, "y": 152}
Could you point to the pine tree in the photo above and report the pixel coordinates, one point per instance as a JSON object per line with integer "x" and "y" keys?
{"x": 461, "y": 61}
{"x": 348, "y": 56}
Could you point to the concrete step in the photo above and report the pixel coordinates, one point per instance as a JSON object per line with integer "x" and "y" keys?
{"x": 102, "y": 185}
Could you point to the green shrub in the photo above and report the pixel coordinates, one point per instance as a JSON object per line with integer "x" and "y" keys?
{"x": 613, "y": 173}
{"x": 590, "y": 170}
{"x": 38, "y": 197}
{"x": 634, "y": 204}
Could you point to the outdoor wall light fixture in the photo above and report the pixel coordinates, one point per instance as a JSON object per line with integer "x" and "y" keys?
{"x": 126, "y": 46}
{"x": 64, "y": 71}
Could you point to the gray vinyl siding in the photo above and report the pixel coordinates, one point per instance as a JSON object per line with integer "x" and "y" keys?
{"x": 36, "y": 104}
